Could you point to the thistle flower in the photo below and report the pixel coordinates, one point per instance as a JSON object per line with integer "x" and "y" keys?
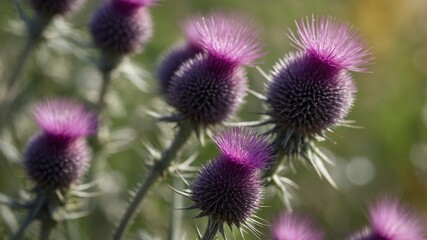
{"x": 209, "y": 87}
{"x": 306, "y": 97}
{"x": 311, "y": 91}
{"x": 58, "y": 156}
{"x": 121, "y": 26}
{"x": 291, "y": 226}
{"x": 390, "y": 220}
{"x": 228, "y": 189}
{"x": 49, "y": 8}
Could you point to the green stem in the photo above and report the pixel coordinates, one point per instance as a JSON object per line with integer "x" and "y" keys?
{"x": 106, "y": 80}
{"x": 154, "y": 173}
{"x": 47, "y": 225}
{"x": 175, "y": 214}
{"x": 211, "y": 230}
{"x": 31, "y": 215}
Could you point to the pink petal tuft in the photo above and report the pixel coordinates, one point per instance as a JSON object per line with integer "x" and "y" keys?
{"x": 244, "y": 147}
{"x": 392, "y": 220}
{"x": 228, "y": 38}
{"x": 291, "y": 226}
{"x": 64, "y": 118}
{"x": 335, "y": 43}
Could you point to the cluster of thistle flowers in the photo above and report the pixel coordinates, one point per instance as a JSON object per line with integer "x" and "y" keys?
{"x": 388, "y": 220}
{"x": 309, "y": 92}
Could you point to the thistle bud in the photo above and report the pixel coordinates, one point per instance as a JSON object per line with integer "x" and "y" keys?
{"x": 228, "y": 189}
{"x": 58, "y": 156}
{"x": 209, "y": 87}
{"x": 121, "y": 26}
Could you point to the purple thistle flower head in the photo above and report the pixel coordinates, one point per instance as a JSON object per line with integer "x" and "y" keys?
{"x": 393, "y": 221}
{"x": 334, "y": 43}
{"x": 291, "y": 226}
{"x": 228, "y": 38}
{"x": 50, "y": 8}
{"x": 54, "y": 163}
{"x": 209, "y": 87}
{"x": 226, "y": 191}
{"x": 121, "y": 26}
{"x": 307, "y": 98}
{"x": 205, "y": 92}
{"x": 64, "y": 119}
{"x": 58, "y": 156}
{"x": 243, "y": 147}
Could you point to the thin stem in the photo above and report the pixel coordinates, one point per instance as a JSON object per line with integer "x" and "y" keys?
{"x": 10, "y": 91}
{"x": 31, "y": 215}
{"x": 154, "y": 172}
{"x": 175, "y": 217}
{"x": 211, "y": 230}
{"x": 47, "y": 225}
{"x": 106, "y": 80}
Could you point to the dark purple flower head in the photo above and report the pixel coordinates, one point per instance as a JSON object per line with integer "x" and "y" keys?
{"x": 206, "y": 92}
{"x": 64, "y": 119}
{"x": 209, "y": 87}
{"x": 226, "y": 191}
{"x": 243, "y": 147}
{"x": 334, "y": 43}
{"x": 229, "y": 39}
{"x": 49, "y": 8}
{"x": 307, "y": 98}
{"x": 121, "y": 26}
{"x": 291, "y": 226}
{"x": 58, "y": 156}
{"x": 53, "y": 163}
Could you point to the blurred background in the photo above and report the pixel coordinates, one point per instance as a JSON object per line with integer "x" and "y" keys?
{"x": 387, "y": 156}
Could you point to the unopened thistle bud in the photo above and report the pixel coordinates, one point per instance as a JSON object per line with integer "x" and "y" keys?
{"x": 121, "y": 26}
{"x": 390, "y": 220}
{"x": 228, "y": 189}
{"x": 292, "y": 226}
{"x": 50, "y": 8}
{"x": 58, "y": 156}
{"x": 208, "y": 88}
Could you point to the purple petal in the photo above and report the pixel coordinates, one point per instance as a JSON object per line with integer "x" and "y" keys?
{"x": 229, "y": 38}
{"x": 64, "y": 118}
{"x": 335, "y": 43}
{"x": 244, "y": 147}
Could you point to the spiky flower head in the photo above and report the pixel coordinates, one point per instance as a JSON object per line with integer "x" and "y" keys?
{"x": 306, "y": 97}
{"x": 58, "y": 156}
{"x": 334, "y": 43}
{"x": 390, "y": 220}
{"x": 50, "y": 8}
{"x": 121, "y": 26}
{"x": 209, "y": 87}
{"x": 228, "y": 189}
{"x": 293, "y": 226}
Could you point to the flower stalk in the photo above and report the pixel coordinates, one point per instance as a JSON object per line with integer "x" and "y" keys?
{"x": 183, "y": 134}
